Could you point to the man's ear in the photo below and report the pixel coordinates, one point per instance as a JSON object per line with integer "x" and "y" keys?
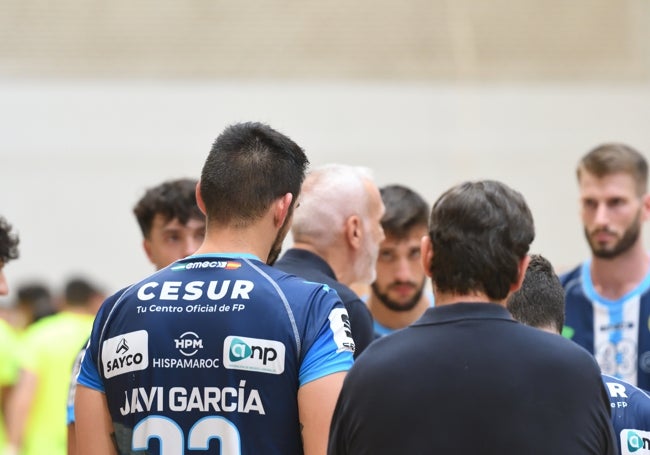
{"x": 146, "y": 245}
{"x": 354, "y": 231}
{"x": 522, "y": 267}
{"x": 645, "y": 201}
{"x": 282, "y": 209}
{"x": 426, "y": 254}
{"x": 199, "y": 198}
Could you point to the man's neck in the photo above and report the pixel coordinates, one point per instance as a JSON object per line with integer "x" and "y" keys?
{"x": 228, "y": 240}
{"x": 334, "y": 259}
{"x": 615, "y": 277}
{"x": 445, "y": 298}
{"x": 396, "y": 319}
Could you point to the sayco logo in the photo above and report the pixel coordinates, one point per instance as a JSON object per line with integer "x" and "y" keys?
{"x": 188, "y": 343}
{"x": 253, "y": 354}
{"x": 125, "y": 353}
{"x": 635, "y": 441}
{"x": 228, "y": 265}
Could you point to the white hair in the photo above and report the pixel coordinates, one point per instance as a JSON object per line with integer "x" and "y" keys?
{"x": 330, "y": 194}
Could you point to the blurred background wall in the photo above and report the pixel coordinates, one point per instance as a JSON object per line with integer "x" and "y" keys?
{"x": 101, "y": 100}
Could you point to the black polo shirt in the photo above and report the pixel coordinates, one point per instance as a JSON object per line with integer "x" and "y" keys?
{"x": 468, "y": 379}
{"x": 312, "y": 267}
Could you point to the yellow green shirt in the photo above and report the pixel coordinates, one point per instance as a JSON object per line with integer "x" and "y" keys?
{"x": 48, "y": 350}
{"x": 8, "y": 367}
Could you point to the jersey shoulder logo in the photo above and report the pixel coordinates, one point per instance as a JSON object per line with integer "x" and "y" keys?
{"x": 341, "y": 330}
{"x": 125, "y": 353}
{"x": 253, "y": 354}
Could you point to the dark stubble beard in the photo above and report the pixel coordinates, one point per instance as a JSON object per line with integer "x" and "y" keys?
{"x": 629, "y": 238}
{"x": 276, "y": 248}
{"x": 396, "y": 306}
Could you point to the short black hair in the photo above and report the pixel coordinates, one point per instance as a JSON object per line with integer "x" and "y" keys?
{"x": 405, "y": 209}
{"x": 171, "y": 199}
{"x": 540, "y": 300}
{"x": 480, "y": 231}
{"x": 250, "y": 165}
{"x": 8, "y": 242}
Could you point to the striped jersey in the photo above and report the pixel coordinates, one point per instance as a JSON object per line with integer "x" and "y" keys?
{"x": 616, "y": 332}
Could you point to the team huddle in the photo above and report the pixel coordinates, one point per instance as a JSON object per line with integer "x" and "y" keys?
{"x": 337, "y": 346}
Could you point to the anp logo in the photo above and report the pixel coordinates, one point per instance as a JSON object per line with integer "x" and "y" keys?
{"x": 253, "y": 354}
{"x": 634, "y": 440}
{"x": 239, "y": 350}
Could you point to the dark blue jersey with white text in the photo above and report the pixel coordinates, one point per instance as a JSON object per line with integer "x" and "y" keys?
{"x": 208, "y": 354}
{"x": 630, "y": 416}
{"x": 616, "y": 332}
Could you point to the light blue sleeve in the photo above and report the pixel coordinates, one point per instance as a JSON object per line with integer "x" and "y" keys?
{"x": 332, "y": 350}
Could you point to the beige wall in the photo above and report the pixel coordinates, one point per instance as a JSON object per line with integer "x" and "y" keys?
{"x": 100, "y": 100}
{"x": 425, "y": 40}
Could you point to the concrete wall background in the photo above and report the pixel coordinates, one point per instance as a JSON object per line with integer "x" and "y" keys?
{"x": 100, "y": 101}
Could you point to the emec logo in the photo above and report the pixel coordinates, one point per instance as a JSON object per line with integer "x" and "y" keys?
{"x": 253, "y": 354}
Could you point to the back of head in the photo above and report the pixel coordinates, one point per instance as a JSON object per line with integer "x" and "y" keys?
{"x": 614, "y": 158}
{"x": 540, "y": 300}
{"x": 36, "y": 299}
{"x": 8, "y": 243}
{"x": 480, "y": 231}
{"x": 330, "y": 194}
{"x": 250, "y": 165}
{"x": 171, "y": 199}
{"x": 80, "y": 292}
{"x": 405, "y": 209}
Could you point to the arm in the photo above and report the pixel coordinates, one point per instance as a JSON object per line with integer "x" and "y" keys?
{"x": 72, "y": 439}
{"x": 94, "y": 428}
{"x": 19, "y": 406}
{"x": 316, "y": 401}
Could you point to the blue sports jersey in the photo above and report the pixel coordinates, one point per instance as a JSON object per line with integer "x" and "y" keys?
{"x": 381, "y": 330}
{"x": 630, "y": 415}
{"x": 617, "y": 332}
{"x": 207, "y": 356}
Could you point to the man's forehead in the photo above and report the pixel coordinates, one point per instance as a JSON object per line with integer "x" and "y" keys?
{"x": 413, "y": 236}
{"x": 617, "y": 183}
{"x": 175, "y": 224}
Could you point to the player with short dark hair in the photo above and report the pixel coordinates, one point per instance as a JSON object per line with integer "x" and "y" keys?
{"x": 172, "y": 224}
{"x": 540, "y": 303}
{"x": 219, "y": 351}
{"x": 397, "y": 297}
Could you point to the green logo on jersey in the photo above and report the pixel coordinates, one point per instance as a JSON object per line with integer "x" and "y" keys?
{"x": 239, "y": 350}
{"x": 636, "y": 442}
{"x": 568, "y": 332}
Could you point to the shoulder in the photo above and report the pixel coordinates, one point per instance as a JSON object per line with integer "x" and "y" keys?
{"x": 571, "y": 277}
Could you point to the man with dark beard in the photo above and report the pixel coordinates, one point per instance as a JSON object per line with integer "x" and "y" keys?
{"x": 607, "y": 298}
{"x": 397, "y": 296}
